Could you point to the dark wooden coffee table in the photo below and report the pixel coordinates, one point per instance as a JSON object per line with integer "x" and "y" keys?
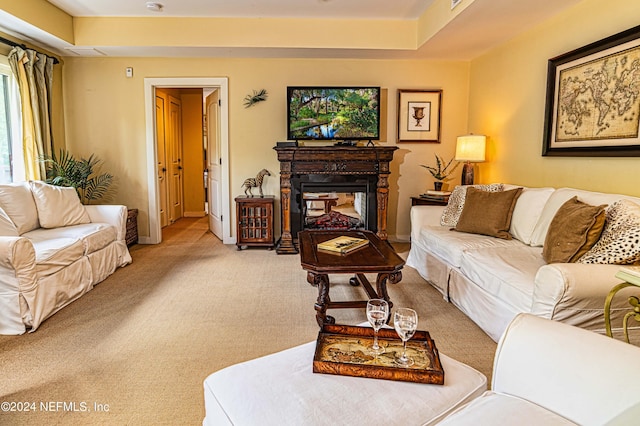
{"x": 377, "y": 257}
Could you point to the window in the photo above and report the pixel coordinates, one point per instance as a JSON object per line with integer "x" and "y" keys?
{"x": 5, "y": 130}
{"x": 11, "y": 168}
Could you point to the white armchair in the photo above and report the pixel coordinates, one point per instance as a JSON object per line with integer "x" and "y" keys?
{"x": 547, "y": 372}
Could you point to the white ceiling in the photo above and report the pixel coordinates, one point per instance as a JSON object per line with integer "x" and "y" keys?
{"x": 481, "y": 26}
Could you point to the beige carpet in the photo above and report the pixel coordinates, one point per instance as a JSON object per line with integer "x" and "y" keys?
{"x": 141, "y": 343}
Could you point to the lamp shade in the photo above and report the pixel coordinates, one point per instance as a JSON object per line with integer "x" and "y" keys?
{"x": 471, "y": 148}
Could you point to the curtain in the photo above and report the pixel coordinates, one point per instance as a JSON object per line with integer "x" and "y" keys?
{"x": 34, "y": 73}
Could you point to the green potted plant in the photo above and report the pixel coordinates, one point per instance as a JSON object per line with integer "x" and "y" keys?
{"x": 66, "y": 170}
{"x": 441, "y": 171}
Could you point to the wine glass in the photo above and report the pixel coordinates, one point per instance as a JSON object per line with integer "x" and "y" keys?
{"x": 377, "y": 314}
{"x": 405, "y": 321}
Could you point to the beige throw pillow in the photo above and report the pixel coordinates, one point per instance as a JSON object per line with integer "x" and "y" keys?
{"x": 488, "y": 213}
{"x": 574, "y": 229}
{"x": 17, "y": 201}
{"x": 58, "y": 206}
{"x": 454, "y": 207}
{"x": 619, "y": 243}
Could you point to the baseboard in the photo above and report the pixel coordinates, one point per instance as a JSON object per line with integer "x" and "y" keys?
{"x": 400, "y": 238}
{"x": 144, "y": 240}
{"x": 195, "y": 214}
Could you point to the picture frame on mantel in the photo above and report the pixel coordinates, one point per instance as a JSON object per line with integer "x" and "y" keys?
{"x": 419, "y": 113}
{"x": 592, "y": 103}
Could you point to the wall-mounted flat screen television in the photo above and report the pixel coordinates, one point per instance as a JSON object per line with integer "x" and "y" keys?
{"x": 333, "y": 113}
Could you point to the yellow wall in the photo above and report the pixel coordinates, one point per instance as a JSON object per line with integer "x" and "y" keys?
{"x": 245, "y": 32}
{"x": 104, "y": 114}
{"x": 193, "y": 152}
{"x": 437, "y": 16}
{"x": 507, "y": 102}
{"x": 43, "y": 15}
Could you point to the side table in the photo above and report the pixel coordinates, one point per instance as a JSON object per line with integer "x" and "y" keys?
{"x": 423, "y": 201}
{"x": 255, "y": 221}
{"x": 630, "y": 280}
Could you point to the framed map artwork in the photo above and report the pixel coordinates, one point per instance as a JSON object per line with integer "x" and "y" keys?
{"x": 593, "y": 99}
{"x": 419, "y": 115}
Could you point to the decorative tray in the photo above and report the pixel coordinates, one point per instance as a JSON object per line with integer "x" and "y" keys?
{"x": 343, "y": 350}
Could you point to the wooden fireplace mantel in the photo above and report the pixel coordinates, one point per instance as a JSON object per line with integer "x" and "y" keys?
{"x": 332, "y": 160}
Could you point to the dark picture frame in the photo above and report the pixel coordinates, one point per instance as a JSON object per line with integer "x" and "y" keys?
{"x": 593, "y": 101}
{"x": 419, "y": 113}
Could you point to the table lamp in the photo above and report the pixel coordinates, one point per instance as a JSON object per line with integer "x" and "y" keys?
{"x": 470, "y": 149}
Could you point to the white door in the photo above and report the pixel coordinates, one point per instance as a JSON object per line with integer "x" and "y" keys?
{"x": 176, "y": 172}
{"x": 214, "y": 163}
{"x": 162, "y": 159}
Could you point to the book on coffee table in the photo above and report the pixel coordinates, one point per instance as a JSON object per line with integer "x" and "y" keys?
{"x": 343, "y": 244}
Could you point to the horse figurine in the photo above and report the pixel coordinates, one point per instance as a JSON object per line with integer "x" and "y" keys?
{"x": 255, "y": 182}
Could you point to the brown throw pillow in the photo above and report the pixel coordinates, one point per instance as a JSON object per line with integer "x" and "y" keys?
{"x": 574, "y": 229}
{"x": 488, "y": 213}
{"x": 454, "y": 207}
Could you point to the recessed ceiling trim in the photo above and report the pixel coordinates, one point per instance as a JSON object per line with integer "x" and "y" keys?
{"x": 85, "y": 51}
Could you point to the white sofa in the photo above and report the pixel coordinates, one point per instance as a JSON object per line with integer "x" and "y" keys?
{"x": 492, "y": 280}
{"x": 545, "y": 373}
{"x": 53, "y": 250}
{"x": 549, "y": 373}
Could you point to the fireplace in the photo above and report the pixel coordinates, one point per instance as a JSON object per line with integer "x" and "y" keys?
{"x": 313, "y": 197}
{"x": 317, "y": 178}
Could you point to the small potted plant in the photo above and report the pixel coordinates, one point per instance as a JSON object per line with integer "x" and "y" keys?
{"x": 441, "y": 171}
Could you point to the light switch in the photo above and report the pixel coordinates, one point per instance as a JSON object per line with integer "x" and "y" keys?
{"x": 129, "y": 72}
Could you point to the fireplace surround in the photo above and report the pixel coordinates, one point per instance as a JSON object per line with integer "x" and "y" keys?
{"x": 348, "y": 169}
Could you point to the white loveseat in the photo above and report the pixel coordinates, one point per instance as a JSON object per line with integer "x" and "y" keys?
{"x": 53, "y": 250}
{"x": 492, "y": 280}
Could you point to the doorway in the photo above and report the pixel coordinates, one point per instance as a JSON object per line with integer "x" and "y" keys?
{"x": 220, "y": 87}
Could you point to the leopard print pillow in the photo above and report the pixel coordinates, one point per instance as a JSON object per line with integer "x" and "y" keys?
{"x": 619, "y": 243}
{"x": 451, "y": 213}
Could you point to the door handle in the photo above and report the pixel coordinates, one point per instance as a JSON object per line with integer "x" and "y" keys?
{"x": 164, "y": 169}
{"x": 179, "y": 167}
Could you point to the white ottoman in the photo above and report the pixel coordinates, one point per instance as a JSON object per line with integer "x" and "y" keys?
{"x": 281, "y": 389}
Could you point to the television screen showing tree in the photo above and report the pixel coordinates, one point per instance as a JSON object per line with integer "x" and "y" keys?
{"x": 344, "y": 113}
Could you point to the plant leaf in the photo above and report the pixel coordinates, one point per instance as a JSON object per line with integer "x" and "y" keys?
{"x": 65, "y": 170}
{"x": 441, "y": 171}
{"x": 258, "y": 96}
